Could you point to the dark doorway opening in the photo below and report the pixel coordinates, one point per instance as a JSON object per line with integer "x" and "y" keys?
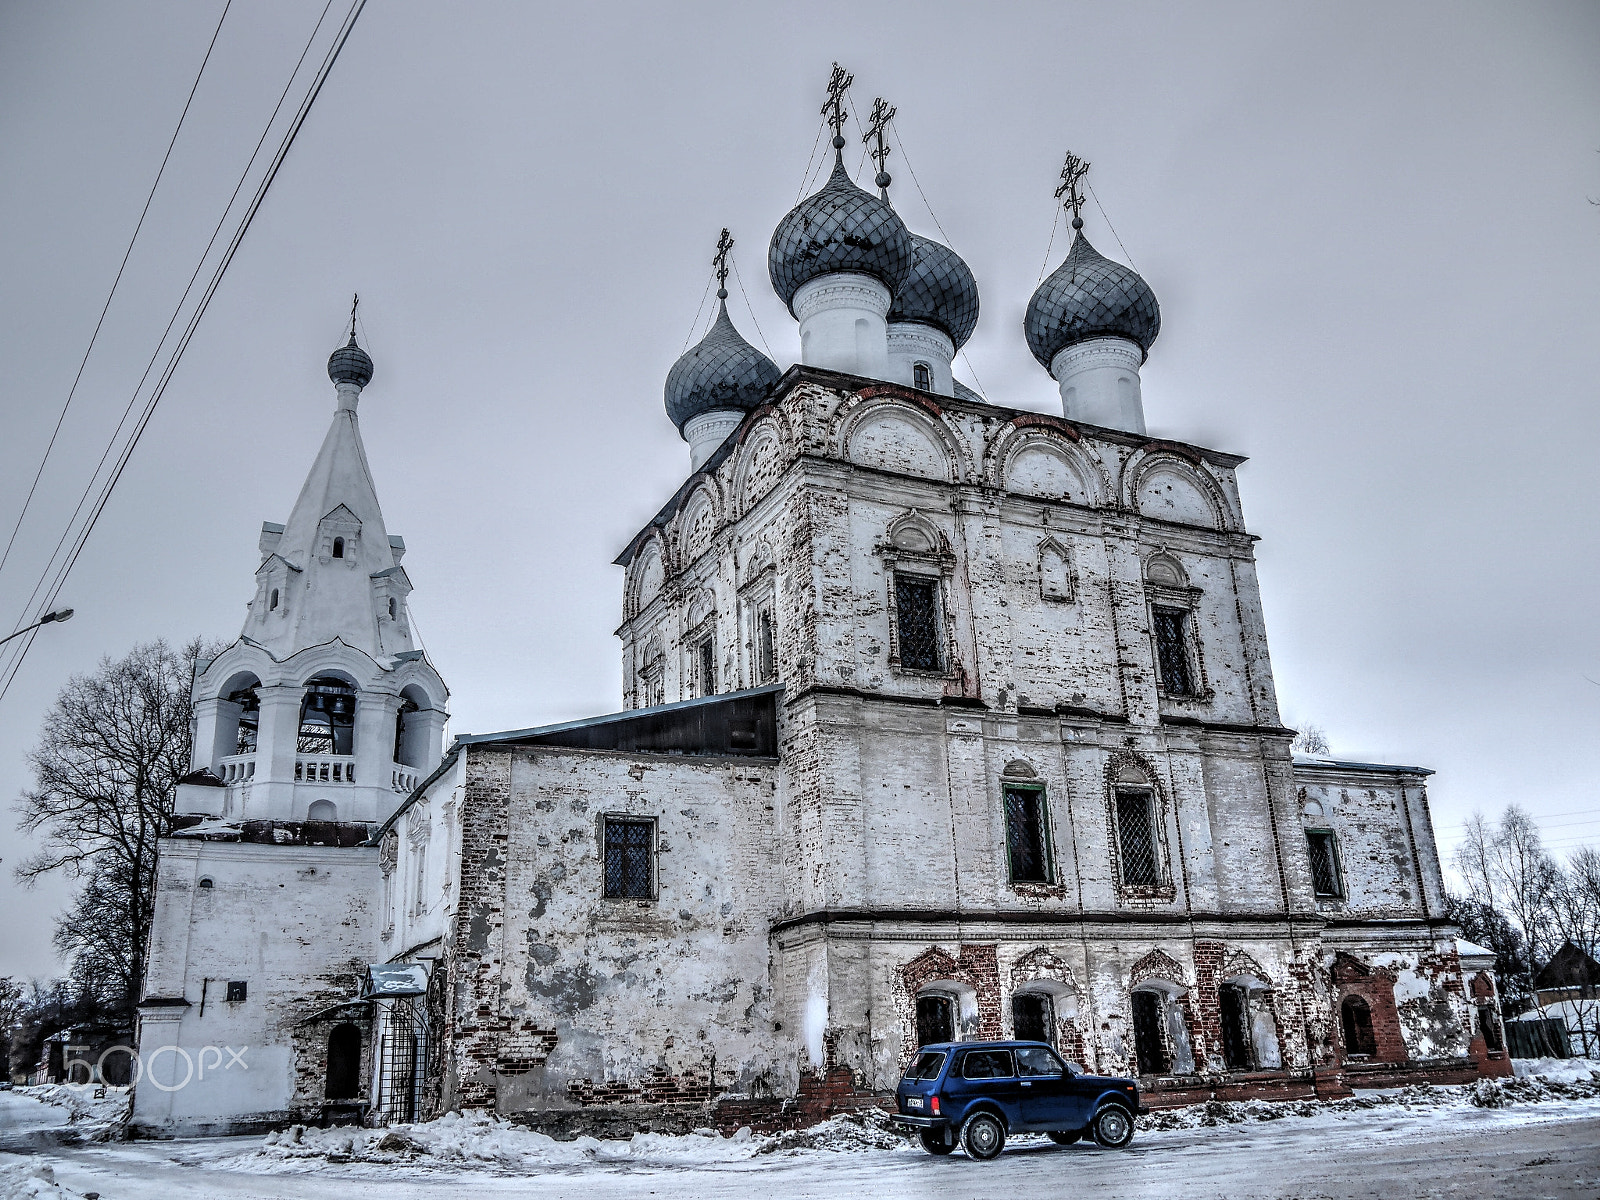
{"x": 344, "y": 1062}
{"x": 1237, "y": 1050}
{"x": 1149, "y": 1045}
{"x": 1357, "y": 1020}
{"x": 1033, "y": 1017}
{"x": 935, "y": 1020}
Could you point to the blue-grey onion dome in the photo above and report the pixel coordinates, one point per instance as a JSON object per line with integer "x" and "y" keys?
{"x": 840, "y": 228}
{"x": 939, "y": 290}
{"x": 350, "y": 364}
{"x": 1089, "y": 296}
{"x": 722, "y": 370}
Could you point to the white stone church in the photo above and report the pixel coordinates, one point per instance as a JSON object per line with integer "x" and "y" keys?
{"x": 941, "y": 720}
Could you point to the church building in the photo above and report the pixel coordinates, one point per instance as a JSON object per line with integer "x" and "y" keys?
{"x": 940, "y": 720}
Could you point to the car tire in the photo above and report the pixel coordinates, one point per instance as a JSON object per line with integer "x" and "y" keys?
{"x": 983, "y": 1136}
{"x": 1112, "y": 1127}
{"x": 934, "y": 1143}
{"x": 1065, "y": 1137}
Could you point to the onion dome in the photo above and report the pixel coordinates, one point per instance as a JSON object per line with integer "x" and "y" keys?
{"x": 1089, "y": 296}
{"x": 722, "y": 370}
{"x": 840, "y": 228}
{"x": 350, "y": 364}
{"x": 939, "y": 291}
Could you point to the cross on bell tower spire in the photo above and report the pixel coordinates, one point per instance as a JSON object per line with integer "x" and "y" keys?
{"x": 833, "y": 107}
{"x": 882, "y": 114}
{"x": 1072, "y": 173}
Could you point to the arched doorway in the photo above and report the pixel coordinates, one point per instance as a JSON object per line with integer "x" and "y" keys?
{"x": 344, "y": 1062}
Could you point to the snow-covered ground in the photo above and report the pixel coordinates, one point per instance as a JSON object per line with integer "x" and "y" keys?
{"x": 1530, "y": 1137}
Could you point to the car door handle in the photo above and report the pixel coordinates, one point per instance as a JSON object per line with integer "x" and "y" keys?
{"x": 1027, "y": 1083}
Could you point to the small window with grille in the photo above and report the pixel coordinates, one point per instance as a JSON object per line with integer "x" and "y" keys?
{"x": 237, "y": 989}
{"x": 917, "y": 622}
{"x": 705, "y": 667}
{"x": 630, "y": 844}
{"x": 766, "y": 647}
{"x": 1136, "y": 837}
{"x": 1027, "y": 835}
{"x": 1172, "y": 651}
{"x": 1324, "y": 850}
{"x": 921, "y": 377}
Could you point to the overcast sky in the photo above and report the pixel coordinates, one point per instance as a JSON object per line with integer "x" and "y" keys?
{"x": 1370, "y": 229}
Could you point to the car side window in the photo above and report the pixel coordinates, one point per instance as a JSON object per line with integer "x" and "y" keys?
{"x": 926, "y": 1067}
{"x": 987, "y": 1064}
{"x": 1037, "y": 1060}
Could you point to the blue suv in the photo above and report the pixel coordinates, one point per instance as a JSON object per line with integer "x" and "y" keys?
{"x": 975, "y": 1093}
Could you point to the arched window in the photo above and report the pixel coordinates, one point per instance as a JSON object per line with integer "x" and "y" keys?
{"x": 401, "y": 720}
{"x": 1357, "y": 1020}
{"x": 205, "y": 882}
{"x": 322, "y": 810}
{"x": 921, "y": 377}
{"x": 393, "y": 608}
{"x": 327, "y": 717}
{"x": 273, "y": 603}
{"x": 338, "y": 547}
{"x": 249, "y": 719}
{"x": 344, "y": 1062}
{"x": 1033, "y": 1017}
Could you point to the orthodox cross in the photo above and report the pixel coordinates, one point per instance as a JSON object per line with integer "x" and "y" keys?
{"x": 355, "y": 299}
{"x": 720, "y": 262}
{"x": 882, "y": 114}
{"x": 833, "y": 106}
{"x": 1072, "y": 173}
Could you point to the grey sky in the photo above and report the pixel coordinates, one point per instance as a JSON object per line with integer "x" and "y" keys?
{"x": 1369, "y": 228}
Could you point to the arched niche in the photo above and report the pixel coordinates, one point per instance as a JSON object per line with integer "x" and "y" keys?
{"x": 413, "y": 729}
{"x": 892, "y": 437}
{"x": 649, "y": 573}
{"x": 322, "y": 810}
{"x": 1164, "y": 570}
{"x": 1044, "y": 469}
{"x": 1169, "y": 488}
{"x": 698, "y": 525}
{"x": 761, "y": 464}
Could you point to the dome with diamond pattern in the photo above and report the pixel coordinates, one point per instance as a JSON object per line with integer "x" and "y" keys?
{"x": 350, "y": 364}
{"x": 840, "y": 228}
{"x": 721, "y": 371}
{"x": 939, "y": 291}
{"x": 1089, "y": 296}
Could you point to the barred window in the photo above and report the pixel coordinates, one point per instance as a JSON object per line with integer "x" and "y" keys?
{"x": 238, "y": 989}
{"x": 1027, "y": 835}
{"x": 630, "y": 858}
{"x": 917, "y": 620}
{"x": 706, "y": 667}
{"x": 1324, "y": 863}
{"x": 766, "y": 648}
{"x": 1172, "y": 651}
{"x": 921, "y": 377}
{"x": 1136, "y": 828}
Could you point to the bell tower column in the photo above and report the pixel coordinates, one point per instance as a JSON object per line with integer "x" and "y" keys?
{"x": 277, "y": 744}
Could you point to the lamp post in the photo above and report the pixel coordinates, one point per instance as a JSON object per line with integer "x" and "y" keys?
{"x": 61, "y": 614}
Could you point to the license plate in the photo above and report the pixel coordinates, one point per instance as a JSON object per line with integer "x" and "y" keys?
{"x": 913, "y": 1101}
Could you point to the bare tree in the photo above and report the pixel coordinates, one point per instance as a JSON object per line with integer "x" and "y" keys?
{"x": 1310, "y": 740}
{"x": 110, "y": 754}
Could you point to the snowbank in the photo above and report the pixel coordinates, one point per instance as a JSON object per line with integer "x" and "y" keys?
{"x": 476, "y": 1140}
{"x": 1557, "y": 1070}
{"x": 1561, "y": 1081}
{"x": 29, "y": 1179}
{"x": 86, "y": 1104}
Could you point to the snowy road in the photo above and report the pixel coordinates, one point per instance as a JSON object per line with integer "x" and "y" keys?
{"x": 1530, "y": 1151}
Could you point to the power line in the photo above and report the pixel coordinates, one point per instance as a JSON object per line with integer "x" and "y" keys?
{"x": 199, "y": 312}
{"x": 121, "y": 267}
{"x": 83, "y": 499}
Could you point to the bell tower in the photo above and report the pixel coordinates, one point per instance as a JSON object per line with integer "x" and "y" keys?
{"x": 324, "y": 709}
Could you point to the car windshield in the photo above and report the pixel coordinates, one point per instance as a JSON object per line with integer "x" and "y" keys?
{"x": 1037, "y": 1060}
{"x": 987, "y": 1064}
{"x": 927, "y": 1066}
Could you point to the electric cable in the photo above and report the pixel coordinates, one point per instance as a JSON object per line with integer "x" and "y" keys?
{"x": 121, "y": 267}
{"x": 290, "y": 136}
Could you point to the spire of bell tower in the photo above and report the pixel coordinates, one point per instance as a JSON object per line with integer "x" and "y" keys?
{"x": 332, "y": 570}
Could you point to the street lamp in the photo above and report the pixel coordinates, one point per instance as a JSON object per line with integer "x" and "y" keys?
{"x": 61, "y": 614}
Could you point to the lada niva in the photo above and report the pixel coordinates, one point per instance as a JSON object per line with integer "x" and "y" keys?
{"x": 975, "y": 1094}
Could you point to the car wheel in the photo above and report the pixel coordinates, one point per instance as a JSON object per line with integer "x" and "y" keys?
{"x": 934, "y": 1143}
{"x": 1065, "y": 1137}
{"x": 983, "y": 1137}
{"x": 1113, "y": 1127}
